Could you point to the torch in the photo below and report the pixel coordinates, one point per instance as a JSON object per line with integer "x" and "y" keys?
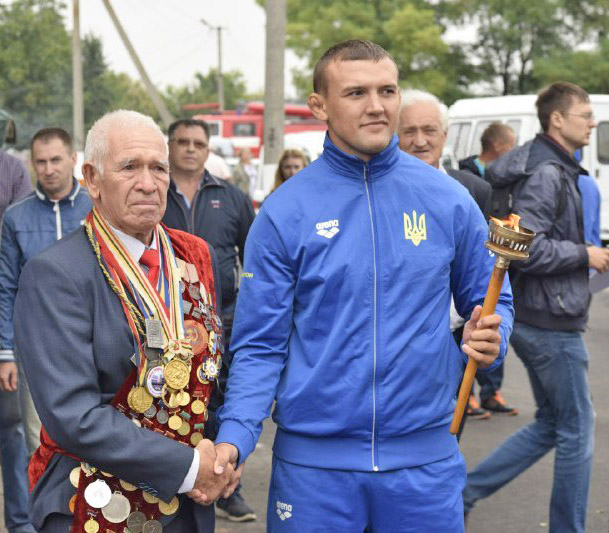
{"x": 509, "y": 242}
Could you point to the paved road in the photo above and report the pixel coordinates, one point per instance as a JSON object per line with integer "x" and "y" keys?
{"x": 522, "y": 506}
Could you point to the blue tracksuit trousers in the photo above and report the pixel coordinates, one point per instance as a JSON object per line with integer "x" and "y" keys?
{"x": 425, "y": 499}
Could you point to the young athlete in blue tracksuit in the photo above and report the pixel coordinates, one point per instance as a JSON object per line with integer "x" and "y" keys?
{"x": 343, "y": 319}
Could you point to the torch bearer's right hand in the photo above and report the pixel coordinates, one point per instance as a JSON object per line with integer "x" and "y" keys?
{"x": 481, "y": 338}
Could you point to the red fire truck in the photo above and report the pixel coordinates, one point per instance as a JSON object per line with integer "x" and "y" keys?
{"x": 244, "y": 127}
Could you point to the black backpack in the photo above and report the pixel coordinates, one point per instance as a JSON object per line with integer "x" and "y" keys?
{"x": 502, "y": 201}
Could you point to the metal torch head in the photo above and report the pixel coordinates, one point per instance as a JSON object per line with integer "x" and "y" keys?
{"x": 509, "y": 243}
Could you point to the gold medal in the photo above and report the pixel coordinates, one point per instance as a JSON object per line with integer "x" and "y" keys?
{"x": 127, "y": 486}
{"x": 106, "y": 474}
{"x": 184, "y": 429}
{"x": 184, "y": 398}
{"x": 198, "y": 407}
{"x": 75, "y": 476}
{"x": 139, "y": 399}
{"x": 195, "y": 438}
{"x": 169, "y": 508}
{"x": 149, "y": 497}
{"x": 177, "y": 374}
{"x": 91, "y": 526}
{"x": 175, "y": 422}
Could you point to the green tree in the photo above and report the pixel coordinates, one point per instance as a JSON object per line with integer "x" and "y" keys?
{"x": 408, "y": 29}
{"x": 512, "y": 36}
{"x": 588, "y": 69}
{"x": 35, "y": 65}
{"x": 205, "y": 90}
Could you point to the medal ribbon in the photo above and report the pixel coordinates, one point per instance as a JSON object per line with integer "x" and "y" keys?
{"x": 167, "y": 309}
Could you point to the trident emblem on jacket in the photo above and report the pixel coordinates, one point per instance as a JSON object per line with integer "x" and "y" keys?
{"x": 413, "y": 231}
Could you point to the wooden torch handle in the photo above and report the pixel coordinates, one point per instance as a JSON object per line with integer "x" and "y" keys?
{"x": 488, "y": 308}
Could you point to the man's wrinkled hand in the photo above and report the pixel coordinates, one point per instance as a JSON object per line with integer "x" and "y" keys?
{"x": 8, "y": 376}
{"x": 481, "y": 338}
{"x": 209, "y": 485}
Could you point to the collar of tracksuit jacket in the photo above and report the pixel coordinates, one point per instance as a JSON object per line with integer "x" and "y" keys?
{"x": 353, "y": 167}
{"x": 41, "y": 195}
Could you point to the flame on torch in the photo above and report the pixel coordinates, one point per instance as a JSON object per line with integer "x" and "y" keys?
{"x": 512, "y": 222}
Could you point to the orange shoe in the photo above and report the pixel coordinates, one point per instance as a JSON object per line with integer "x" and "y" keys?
{"x": 475, "y": 411}
{"x": 497, "y": 404}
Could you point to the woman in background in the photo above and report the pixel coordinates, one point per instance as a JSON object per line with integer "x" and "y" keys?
{"x": 291, "y": 161}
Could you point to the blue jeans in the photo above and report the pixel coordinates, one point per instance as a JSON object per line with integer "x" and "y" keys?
{"x": 13, "y": 458}
{"x": 490, "y": 382}
{"x": 557, "y": 364}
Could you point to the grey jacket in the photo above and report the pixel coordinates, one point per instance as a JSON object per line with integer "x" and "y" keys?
{"x": 551, "y": 287}
{"x": 75, "y": 347}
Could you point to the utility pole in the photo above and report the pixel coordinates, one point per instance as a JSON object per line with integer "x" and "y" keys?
{"x": 218, "y": 29}
{"x": 154, "y": 94}
{"x": 274, "y": 114}
{"x": 78, "y": 109}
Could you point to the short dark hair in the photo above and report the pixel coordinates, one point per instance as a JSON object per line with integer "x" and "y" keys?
{"x": 559, "y": 96}
{"x": 351, "y": 50}
{"x": 188, "y": 123}
{"x": 493, "y": 133}
{"x": 47, "y": 134}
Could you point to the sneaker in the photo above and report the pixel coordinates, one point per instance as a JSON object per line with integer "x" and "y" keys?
{"x": 475, "y": 411}
{"x": 235, "y": 509}
{"x": 497, "y": 404}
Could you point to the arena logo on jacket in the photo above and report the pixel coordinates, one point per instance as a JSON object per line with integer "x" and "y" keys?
{"x": 415, "y": 230}
{"x": 327, "y": 229}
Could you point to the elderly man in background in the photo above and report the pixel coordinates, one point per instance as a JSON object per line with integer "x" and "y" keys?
{"x": 422, "y": 129}
{"x": 121, "y": 340}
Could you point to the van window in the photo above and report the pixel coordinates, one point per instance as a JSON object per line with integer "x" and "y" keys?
{"x": 457, "y": 137}
{"x": 602, "y": 140}
{"x": 214, "y": 128}
{"x": 515, "y": 125}
{"x": 244, "y": 129}
{"x": 480, "y": 127}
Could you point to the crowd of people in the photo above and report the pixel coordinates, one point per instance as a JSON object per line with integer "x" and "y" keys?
{"x": 150, "y": 320}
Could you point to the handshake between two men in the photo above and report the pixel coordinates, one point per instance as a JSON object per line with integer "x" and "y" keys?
{"x": 218, "y": 475}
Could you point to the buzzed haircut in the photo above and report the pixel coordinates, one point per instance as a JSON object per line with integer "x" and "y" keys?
{"x": 351, "y": 50}
{"x": 188, "y": 123}
{"x": 559, "y": 96}
{"x": 48, "y": 134}
{"x": 493, "y": 133}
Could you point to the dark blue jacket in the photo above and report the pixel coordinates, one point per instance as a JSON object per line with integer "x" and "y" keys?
{"x": 343, "y": 313}
{"x": 551, "y": 290}
{"x": 221, "y": 215}
{"x": 29, "y": 227}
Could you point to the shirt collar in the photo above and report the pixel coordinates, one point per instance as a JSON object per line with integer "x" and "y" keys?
{"x": 135, "y": 247}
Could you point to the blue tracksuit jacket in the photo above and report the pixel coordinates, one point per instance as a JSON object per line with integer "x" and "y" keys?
{"x": 343, "y": 313}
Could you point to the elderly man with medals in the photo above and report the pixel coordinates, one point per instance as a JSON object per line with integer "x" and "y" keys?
{"x": 122, "y": 346}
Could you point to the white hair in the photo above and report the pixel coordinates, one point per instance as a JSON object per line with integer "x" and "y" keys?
{"x": 96, "y": 145}
{"x": 413, "y": 96}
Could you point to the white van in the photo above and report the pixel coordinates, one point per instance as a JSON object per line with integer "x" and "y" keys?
{"x": 468, "y": 118}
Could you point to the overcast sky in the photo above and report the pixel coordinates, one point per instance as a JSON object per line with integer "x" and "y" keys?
{"x": 173, "y": 44}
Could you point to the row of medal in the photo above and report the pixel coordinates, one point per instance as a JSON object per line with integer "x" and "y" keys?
{"x": 115, "y": 507}
{"x": 163, "y": 402}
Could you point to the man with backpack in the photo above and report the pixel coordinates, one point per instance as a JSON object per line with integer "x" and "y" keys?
{"x": 551, "y": 299}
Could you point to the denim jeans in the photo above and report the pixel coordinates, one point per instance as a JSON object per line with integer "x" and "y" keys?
{"x": 13, "y": 458}
{"x": 557, "y": 364}
{"x": 490, "y": 382}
